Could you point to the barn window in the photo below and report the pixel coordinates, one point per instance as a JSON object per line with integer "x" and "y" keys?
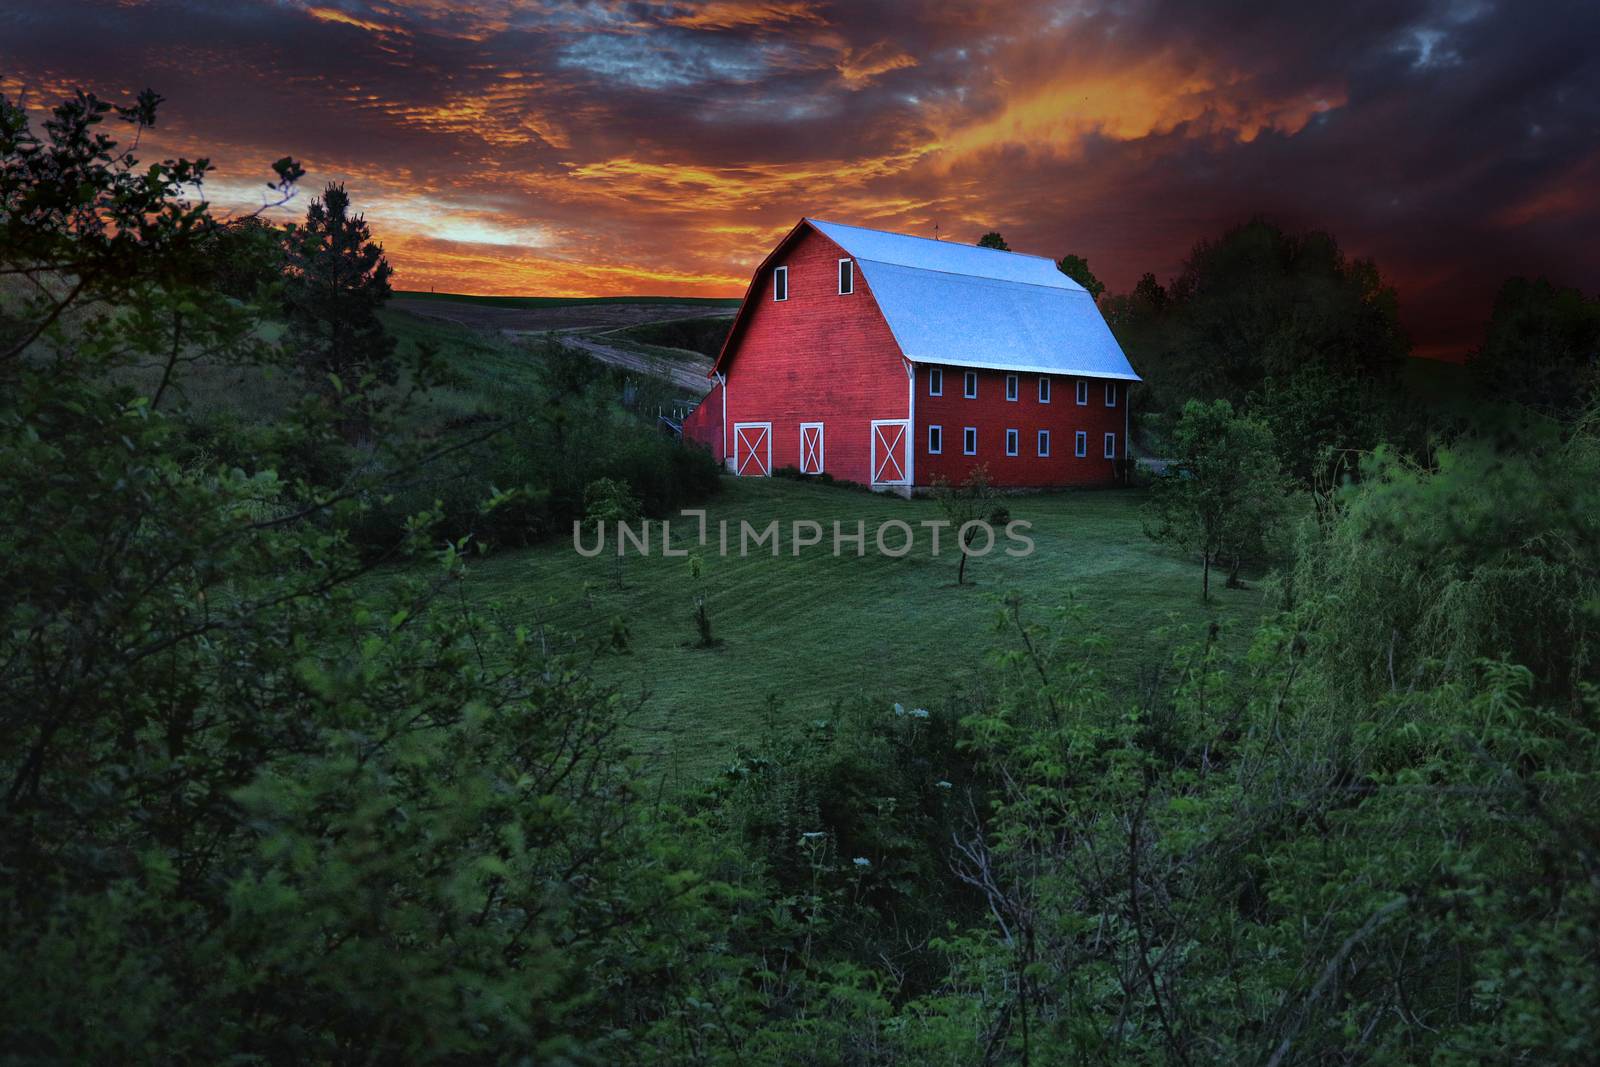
{"x": 1111, "y": 394}
{"x": 1080, "y": 444}
{"x": 935, "y": 381}
{"x": 1083, "y": 391}
{"x": 1044, "y": 389}
{"x": 1011, "y": 387}
{"x": 1011, "y": 442}
{"x": 780, "y": 284}
{"x": 847, "y": 277}
{"x": 1111, "y": 446}
{"x": 969, "y": 441}
{"x": 970, "y": 387}
{"x": 935, "y": 440}
{"x": 1044, "y": 442}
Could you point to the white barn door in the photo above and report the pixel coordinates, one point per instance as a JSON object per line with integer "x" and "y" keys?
{"x": 811, "y": 448}
{"x": 891, "y": 438}
{"x": 752, "y": 448}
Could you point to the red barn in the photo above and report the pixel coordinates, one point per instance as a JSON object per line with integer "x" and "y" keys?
{"x": 892, "y": 360}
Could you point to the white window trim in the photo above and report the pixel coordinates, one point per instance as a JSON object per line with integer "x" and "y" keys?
{"x": 1083, "y": 393}
{"x": 778, "y": 272}
{"x": 969, "y": 385}
{"x": 935, "y": 375}
{"x": 822, "y": 447}
{"x": 1043, "y": 440}
{"x": 1013, "y": 442}
{"x": 935, "y": 447}
{"x": 1111, "y": 394}
{"x": 1080, "y": 444}
{"x": 1111, "y": 446}
{"x": 1013, "y": 389}
{"x": 969, "y": 440}
{"x": 842, "y": 263}
{"x": 1044, "y": 388}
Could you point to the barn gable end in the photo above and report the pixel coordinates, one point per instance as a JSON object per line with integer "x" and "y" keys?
{"x": 815, "y": 357}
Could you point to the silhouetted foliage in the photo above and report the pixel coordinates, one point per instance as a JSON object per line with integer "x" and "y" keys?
{"x": 337, "y": 281}
{"x": 1259, "y": 312}
{"x": 1542, "y": 348}
{"x": 243, "y": 257}
{"x": 1077, "y": 268}
{"x": 992, "y": 239}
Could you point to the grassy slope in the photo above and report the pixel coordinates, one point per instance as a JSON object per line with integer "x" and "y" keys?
{"x": 814, "y": 630}
{"x": 565, "y": 301}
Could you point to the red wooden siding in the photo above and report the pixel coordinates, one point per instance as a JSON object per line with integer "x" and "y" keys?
{"x": 704, "y": 424}
{"x": 993, "y": 415}
{"x": 815, "y": 357}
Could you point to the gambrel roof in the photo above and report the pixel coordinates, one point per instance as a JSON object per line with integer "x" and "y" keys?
{"x": 967, "y": 306}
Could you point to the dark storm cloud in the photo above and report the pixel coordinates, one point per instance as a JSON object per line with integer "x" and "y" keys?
{"x": 659, "y": 146}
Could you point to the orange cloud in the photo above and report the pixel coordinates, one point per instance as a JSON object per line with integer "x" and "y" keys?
{"x": 731, "y": 14}
{"x": 1054, "y": 117}
{"x": 859, "y": 68}
{"x": 333, "y": 14}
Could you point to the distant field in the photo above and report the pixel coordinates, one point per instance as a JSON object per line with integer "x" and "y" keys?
{"x": 535, "y": 314}
{"x": 807, "y": 632}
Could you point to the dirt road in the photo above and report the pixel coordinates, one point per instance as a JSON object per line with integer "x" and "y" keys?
{"x": 688, "y": 374}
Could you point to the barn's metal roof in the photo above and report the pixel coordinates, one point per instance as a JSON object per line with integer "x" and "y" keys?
{"x": 967, "y": 306}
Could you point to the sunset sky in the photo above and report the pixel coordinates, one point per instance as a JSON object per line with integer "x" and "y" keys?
{"x": 609, "y": 147}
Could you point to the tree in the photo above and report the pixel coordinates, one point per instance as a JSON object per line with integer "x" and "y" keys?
{"x": 250, "y": 807}
{"x": 337, "y": 281}
{"x": 609, "y": 500}
{"x": 1542, "y": 348}
{"x": 1317, "y": 418}
{"x": 242, "y": 257}
{"x": 1077, "y": 268}
{"x": 992, "y": 239}
{"x": 1224, "y": 496}
{"x": 1260, "y": 309}
{"x": 972, "y": 501}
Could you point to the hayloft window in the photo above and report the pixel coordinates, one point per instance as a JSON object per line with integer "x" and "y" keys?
{"x": 1111, "y": 446}
{"x": 1083, "y": 391}
{"x": 847, "y": 277}
{"x": 1080, "y": 444}
{"x": 970, "y": 385}
{"x": 935, "y": 381}
{"x": 1044, "y": 389}
{"x": 935, "y": 440}
{"x": 1044, "y": 442}
{"x": 1011, "y": 442}
{"x": 780, "y": 284}
{"x": 1111, "y": 394}
{"x": 1011, "y": 387}
{"x": 969, "y": 441}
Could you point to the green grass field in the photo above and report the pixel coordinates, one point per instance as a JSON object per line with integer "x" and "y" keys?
{"x": 807, "y": 632}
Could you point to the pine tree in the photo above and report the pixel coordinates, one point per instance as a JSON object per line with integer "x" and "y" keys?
{"x": 337, "y": 281}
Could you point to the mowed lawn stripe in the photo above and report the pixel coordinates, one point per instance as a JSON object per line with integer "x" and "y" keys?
{"x": 812, "y": 630}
